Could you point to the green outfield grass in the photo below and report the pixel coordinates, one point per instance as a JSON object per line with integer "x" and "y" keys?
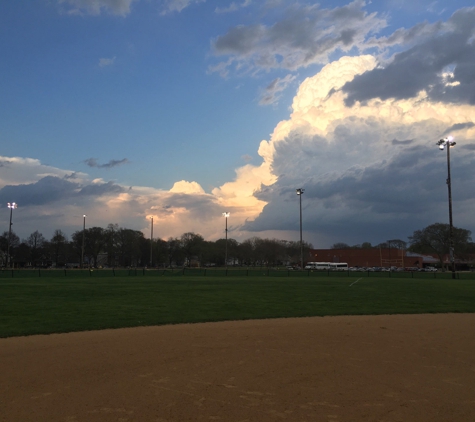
{"x": 52, "y": 305}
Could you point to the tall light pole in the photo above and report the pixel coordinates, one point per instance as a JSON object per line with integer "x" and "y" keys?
{"x": 389, "y": 246}
{"x": 300, "y": 192}
{"x": 12, "y": 206}
{"x": 226, "y": 215}
{"x": 151, "y": 242}
{"x": 83, "y": 239}
{"x": 449, "y": 142}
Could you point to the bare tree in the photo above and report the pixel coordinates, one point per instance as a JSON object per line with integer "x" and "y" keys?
{"x": 435, "y": 239}
{"x": 58, "y": 245}
{"x": 35, "y": 241}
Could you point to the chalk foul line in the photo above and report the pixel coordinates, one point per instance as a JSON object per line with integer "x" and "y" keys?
{"x": 354, "y": 282}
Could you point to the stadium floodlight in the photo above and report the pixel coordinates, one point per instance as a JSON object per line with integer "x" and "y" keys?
{"x": 449, "y": 142}
{"x": 300, "y": 192}
{"x": 12, "y": 206}
{"x": 226, "y": 215}
{"x": 446, "y": 142}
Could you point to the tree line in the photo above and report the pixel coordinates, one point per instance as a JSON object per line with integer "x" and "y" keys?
{"x": 115, "y": 246}
{"x": 394, "y": 243}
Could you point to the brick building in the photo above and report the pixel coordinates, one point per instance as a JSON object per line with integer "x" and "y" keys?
{"x": 370, "y": 257}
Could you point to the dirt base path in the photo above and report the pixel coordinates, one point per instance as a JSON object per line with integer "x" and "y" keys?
{"x": 332, "y": 369}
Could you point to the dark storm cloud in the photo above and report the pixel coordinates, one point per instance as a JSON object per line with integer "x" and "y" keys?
{"x": 92, "y": 162}
{"x": 386, "y": 187}
{"x": 393, "y": 197}
{"x": 46, "y": 190}
{"x": 422, "y": 67}
{"x": 51, "y": 189}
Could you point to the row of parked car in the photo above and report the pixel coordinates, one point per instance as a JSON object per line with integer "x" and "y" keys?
{"x": 393, "y": 269}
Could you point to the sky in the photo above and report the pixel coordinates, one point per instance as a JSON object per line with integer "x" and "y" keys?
{"x": 180, "y": 110}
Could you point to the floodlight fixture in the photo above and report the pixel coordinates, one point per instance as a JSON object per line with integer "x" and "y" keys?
{"x": 446, "y": 142}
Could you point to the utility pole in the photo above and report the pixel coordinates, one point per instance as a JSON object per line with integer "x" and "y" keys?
{"x": 300, "y": 192}
{"x": 83, "y": 239}
{"x": 12, "y": 206}
{"x": 151, "y": 243}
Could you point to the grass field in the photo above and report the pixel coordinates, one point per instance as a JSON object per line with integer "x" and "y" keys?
{"x": 51, "y": 305}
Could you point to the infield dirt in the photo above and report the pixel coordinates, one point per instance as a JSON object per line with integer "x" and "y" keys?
{"x": 332, "y": 369}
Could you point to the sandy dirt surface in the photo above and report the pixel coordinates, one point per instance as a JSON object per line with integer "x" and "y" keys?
{"x": 332, "y": 369}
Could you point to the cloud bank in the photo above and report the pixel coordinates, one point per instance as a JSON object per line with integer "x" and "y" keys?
{"x": 50, "y": 198}
{"x": 360, "y": 138}
{"x": 368, "y": 170}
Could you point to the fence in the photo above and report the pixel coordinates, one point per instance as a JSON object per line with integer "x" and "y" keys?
{"x": 206, "y": 272}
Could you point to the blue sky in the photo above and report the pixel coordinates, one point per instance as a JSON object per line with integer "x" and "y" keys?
{"x": 183, "y": 109}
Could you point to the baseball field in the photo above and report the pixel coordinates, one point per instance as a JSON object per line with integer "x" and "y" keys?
{"x": 237, "y": 349}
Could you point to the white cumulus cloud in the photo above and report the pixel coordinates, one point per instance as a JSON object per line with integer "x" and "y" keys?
{"x": 369, "y": 169}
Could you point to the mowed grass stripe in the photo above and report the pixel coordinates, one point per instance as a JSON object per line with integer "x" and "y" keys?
{"x": 52, "y": 305}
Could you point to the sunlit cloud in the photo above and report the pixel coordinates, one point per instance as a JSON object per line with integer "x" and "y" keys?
{"x": 187, "y": 187}
{"x": 370, "y": 168}
{"x": 360, "y": 136}
{"x": 51, "y": 198}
